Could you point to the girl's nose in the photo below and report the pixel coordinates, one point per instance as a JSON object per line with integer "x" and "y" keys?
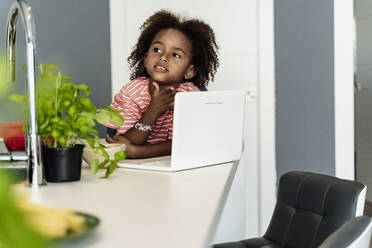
{"x": 163, "y": 58}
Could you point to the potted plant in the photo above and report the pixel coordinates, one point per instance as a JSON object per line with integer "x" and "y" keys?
{"x": 66, "y": 121}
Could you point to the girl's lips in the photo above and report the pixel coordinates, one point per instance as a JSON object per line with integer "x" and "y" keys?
{"x": 160, "y": 68}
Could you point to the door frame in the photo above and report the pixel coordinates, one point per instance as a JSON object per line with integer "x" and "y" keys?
{"x": 344, "y": 89}
{"x": 266, "y": 113}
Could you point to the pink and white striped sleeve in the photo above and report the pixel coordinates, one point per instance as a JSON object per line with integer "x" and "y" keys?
{"x": 130, "y": 111}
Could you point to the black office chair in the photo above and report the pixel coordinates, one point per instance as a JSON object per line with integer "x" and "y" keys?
{"x": 309, "y": 208}
{"x": 355, "y": 233}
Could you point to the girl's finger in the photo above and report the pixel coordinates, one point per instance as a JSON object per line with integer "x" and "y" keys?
{"x": 111, "y": 140}
{"x": 173, "y": 91}
{"x": 156, "y": 86}
{"x": 176, "y": 91}
{"x": 171, "y": 99}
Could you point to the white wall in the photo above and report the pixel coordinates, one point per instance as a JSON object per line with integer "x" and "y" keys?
{"x": 236, "y": 28}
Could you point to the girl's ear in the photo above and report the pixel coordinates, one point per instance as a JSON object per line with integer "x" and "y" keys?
{"x": 190, "y": 72}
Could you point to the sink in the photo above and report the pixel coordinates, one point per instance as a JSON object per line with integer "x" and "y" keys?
{"x": 13, "y": 163}
{"x": 17, "y": 170}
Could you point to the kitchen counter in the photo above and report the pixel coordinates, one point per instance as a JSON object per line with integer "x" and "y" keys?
{"x": 140, "y": 208}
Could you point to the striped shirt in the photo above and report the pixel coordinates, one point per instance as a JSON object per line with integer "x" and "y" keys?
{"x": 134, "y": 98}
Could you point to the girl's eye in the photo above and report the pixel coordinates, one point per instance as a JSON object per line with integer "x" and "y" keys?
{"x": 176, "y": 55}
{"x": 156, "y": 50}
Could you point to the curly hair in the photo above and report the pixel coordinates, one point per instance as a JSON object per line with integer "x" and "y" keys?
{"x": 201, "y": 36}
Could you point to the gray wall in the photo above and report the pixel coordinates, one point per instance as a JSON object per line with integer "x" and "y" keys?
{"x": 304, "y": 86}
{"x": 363, "y": 103}
{"x": 75, "y": 35}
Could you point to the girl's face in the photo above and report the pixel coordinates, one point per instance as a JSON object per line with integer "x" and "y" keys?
{"x": 168, "y": 60}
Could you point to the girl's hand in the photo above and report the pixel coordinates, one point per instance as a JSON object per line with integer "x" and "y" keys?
{"x": 161, "y": 99}
{"x": 130, "y": 149}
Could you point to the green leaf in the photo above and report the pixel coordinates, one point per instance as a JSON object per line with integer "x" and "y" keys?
{"x": 55, "y": 133}
{"x": 83, "y": 129}
{"x": 48, "y": 76}
{"x": 118, "y": 120}
{"x": 71, "y": 133}
{"x": 86, "y": 103}
{"x": 103, "y": 164}
{"x": 65, "y": 105}
{"x": 50, "y": 67}
{"x": 72, "y": 110}
{"x": 59, "y": 76}
{"x": 17, "y": 98}
{"x": 48, "y": 129}
{"x": 90, "y": 141}
{"x": 110, "y": 169}
{"x": 115, "y": 116}
{"x": 120, "y": 156}
{"x": 94, "y": 166}
{"x": 87, "y": 115}
{"x": 62, "y": 141}
{"x": 109, "y": 108}
{"x": 25, "y": 128}
{"x": 43, "y": 125}
{"x": 84, "y": 88}
{"x": 103, "y": 117}
{"x": 55, "y": 119}
{"x": 95, "y": 133}
{"x": 67, "y": 79}
{"x": 67, "y": 94}
{"x": 104, "y": 153}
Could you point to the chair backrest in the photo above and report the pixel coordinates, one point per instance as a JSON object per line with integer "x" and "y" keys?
{"x": 355, "y": 233}
{"x": 311, "y": 206}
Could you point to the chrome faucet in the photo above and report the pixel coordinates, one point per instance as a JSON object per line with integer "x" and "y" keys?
{"x": 35, "y": 170}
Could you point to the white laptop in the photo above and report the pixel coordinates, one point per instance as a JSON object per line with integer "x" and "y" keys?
{"x": 207, "y": 130}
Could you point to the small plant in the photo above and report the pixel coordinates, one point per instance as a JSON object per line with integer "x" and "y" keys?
{"x": 66, "y": 115}
{"x": 16, "y": 231}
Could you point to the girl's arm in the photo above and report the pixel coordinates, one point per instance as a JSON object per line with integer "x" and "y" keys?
{"x": 163, "y": 148}
{"x": 144, "y": 151}
{"x": 161, "y": 101}
{"x": 139, "y": 137}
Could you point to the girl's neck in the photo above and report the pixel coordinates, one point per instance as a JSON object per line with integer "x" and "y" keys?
{"x": 166, "y": 85}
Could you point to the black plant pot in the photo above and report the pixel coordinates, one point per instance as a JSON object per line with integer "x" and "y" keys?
{"x": 62, "y": 164}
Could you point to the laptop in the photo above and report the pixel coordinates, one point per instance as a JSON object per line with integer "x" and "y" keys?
{"x": 207, "y": 130}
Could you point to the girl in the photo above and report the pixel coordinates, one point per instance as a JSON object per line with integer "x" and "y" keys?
{"x": 172, "y": 54}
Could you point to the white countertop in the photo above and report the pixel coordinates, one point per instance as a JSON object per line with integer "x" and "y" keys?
{"x": 140, "y": 208}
